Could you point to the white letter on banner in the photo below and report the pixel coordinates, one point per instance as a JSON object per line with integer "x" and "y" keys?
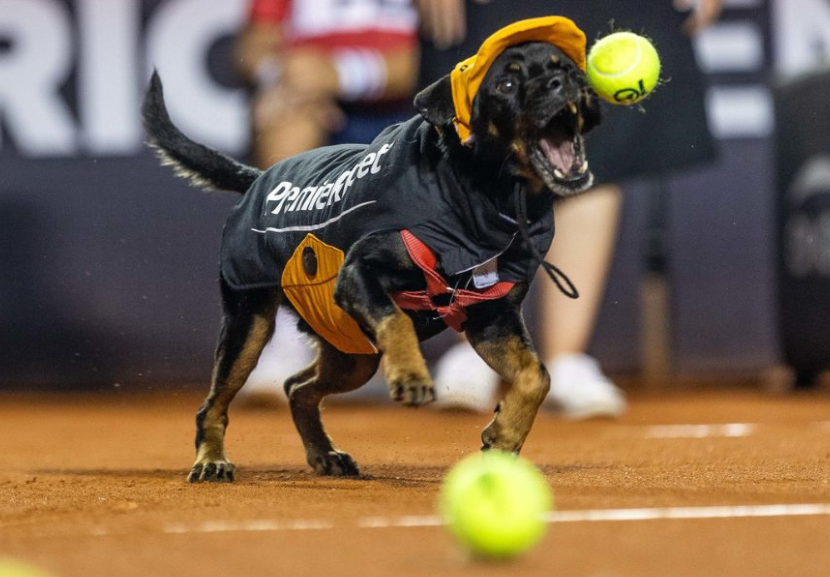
{"x": 178, "y": 38}
{"x": 31, "y": 72}
{"x": 107, "y": 76}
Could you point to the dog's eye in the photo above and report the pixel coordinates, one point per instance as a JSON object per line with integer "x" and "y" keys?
{"x": 506, "y": 86}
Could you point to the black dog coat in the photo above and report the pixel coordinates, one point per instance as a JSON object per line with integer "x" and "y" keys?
{"x": 297, "y": 220}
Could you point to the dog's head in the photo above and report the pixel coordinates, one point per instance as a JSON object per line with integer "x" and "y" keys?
{"x": 529, "y": 116}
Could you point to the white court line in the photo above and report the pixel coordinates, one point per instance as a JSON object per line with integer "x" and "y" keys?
{"x": 406, "y": 521}
{"x": 727, "y": 512}
{"x": 255, "y": 526}
{"x": 700, "y": 431}
{"x": 586, "y": 516}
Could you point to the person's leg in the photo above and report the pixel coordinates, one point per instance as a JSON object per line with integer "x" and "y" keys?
{"x": 283, "y": 126}
{"x": 586, "y": 231}
{"x": 287, "y": 136}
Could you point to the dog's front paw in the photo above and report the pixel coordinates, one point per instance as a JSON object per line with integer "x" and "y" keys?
{"x": 332, "y": 463}
{"x": 214, "y": 471}
{"x": 497, "y": 436}
{"x": 488, "y": 437}
{"x": 412, "y": 390}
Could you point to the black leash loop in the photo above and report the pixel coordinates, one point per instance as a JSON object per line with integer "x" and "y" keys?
{"x": 559, "y": 278}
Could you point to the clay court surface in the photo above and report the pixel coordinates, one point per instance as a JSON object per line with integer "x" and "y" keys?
{"x": 687, "y": 483}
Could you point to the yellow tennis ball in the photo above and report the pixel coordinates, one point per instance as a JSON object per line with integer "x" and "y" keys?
{"x": 493, "y": 503}
{"x": 14, "y": 568}
{"x": 623, "y": 67}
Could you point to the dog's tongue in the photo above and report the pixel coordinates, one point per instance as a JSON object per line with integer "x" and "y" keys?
{"x": 560, "y": 152}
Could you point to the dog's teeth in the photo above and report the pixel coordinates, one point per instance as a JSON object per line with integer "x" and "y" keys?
{"x": 584, "y": 168}
{"x": 558, "y": 173}
{"x": 579, "y": 123}
{"x": 572, "y": 107}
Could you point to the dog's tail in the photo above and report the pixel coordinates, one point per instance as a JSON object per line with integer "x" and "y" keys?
{"x": 202, "y": 165}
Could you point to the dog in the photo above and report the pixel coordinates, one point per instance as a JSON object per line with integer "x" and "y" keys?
{"x": 442, "y": 221}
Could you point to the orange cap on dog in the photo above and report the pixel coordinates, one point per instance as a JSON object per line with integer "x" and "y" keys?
{"x": 467, "y": 76}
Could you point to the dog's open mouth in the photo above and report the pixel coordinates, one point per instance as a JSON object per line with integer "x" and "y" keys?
{"x": 559, "y": 155}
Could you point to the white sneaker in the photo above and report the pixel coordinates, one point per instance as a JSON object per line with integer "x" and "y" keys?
{"x": 286, "y": 354}
{"x": 580, "y": 390}
{"x": 464, "y": 381}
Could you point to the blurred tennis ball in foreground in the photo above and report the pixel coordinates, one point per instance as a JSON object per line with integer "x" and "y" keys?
{"x": 493, "y": 503}
{"x": 623, "y": 67}
{"x": 15, "y": 568}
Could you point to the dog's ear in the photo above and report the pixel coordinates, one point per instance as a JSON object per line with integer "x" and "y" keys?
{"x": 435, "y": 103}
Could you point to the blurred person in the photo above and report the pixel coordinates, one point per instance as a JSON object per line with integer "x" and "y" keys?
{"x": 320, "y": 72}
{"x": 326, "y": 71}
{"x": 667, "y": 132}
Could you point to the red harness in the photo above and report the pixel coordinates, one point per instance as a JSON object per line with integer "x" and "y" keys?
{"x": 438, "y": 290}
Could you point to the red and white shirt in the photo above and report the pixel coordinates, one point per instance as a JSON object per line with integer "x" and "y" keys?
{"x": 375, "y": 24}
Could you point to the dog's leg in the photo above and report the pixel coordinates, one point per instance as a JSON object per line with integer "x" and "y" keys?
{"x": 405, "y": 369}
{"x": 361, "y": 293}
{"x": 332, "y": 372}
{"x": 247, "y": 325}
{"x": 498, "y": 334}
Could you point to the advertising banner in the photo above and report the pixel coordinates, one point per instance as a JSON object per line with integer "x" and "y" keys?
{"x": 108, "y": 266}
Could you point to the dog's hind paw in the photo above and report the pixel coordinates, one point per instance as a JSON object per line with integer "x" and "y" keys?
{"x": 211, "y": 472}
{"x": 333, "y": 463}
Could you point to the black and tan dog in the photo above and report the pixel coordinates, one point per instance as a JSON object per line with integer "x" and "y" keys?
{"x": 441, "y": 221}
